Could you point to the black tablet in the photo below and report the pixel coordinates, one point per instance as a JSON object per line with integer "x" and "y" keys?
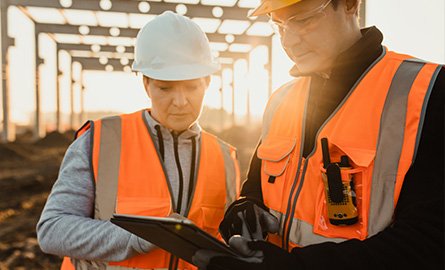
{"x": 178, "y": 236}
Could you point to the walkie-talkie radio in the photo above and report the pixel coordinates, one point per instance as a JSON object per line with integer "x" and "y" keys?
{"x": 340, "y": 194}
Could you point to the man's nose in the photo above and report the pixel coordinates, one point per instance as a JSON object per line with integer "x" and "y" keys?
{"x": 290, "y": 38}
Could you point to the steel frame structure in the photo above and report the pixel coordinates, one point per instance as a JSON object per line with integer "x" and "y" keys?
{"x": 91, "y": 63}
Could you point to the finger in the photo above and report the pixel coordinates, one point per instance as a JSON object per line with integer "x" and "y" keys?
{"x": 271, "y": 223}
{"x": 245, "y": 232}
{"x": 258, "y": 234}
{"x": 251, "y": 218}
{"x": 237, "y": 225}
{"x": 268, "y": 222}
{"x": 248, "y": 232}
{"x": 239, "y": 243}
{"x": 230, "y": 225}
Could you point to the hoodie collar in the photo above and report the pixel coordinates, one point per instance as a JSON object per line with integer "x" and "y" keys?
{"x": 193, "y": 131}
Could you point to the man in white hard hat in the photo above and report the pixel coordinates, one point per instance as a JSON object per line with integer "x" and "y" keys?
{"x": 349, "y": 170}
{"x": 154, "y": 162}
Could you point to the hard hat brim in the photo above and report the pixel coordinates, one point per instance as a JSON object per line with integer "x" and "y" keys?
{"x": 179, "y": 72}
{"x": 270, "y": 6}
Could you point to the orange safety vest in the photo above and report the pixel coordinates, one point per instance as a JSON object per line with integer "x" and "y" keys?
{"x": 377, "y": 126}
{"x": 130, "y": 179}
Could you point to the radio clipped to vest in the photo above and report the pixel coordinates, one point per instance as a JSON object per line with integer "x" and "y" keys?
{"x": 339, "y": 190}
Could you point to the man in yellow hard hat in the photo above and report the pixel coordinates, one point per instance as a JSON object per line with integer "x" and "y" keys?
{"x": 349, "y": 170}
{"x": 153, "y": 162}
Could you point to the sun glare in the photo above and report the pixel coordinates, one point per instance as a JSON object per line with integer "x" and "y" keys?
{"x": 240, "y": 88}
{"x": 252, "y": 60}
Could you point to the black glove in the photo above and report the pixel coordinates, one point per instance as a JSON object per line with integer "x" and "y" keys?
{"x": 273, "y": 258}
{"x": 254, "y": 215}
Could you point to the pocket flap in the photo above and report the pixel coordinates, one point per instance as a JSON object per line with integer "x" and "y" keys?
{"x": 275, "y": 149}
{"x": 361, "y": 157}
{"x": 275, "y": 154}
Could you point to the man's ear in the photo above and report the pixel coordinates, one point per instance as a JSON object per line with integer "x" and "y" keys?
{"x": 146, "y": 82}
{"x": 352, "y": 6}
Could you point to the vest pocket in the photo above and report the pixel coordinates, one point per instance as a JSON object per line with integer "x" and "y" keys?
{"x": 347, "y": 218}
{"x": 276, "y": 156}
{"x": 143, "y": 206}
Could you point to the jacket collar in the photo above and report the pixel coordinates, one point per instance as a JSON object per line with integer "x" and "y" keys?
{"x": 192, "y": 131}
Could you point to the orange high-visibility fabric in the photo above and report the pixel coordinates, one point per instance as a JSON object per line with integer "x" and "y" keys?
{"x": 353, "y": 130}
{"x": 143, "y": 188}
{"x": 66, "y": 264}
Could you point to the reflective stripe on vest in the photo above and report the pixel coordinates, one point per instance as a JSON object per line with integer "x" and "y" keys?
{"x": 123, "y": 151}
{"x": 377, "y": 126}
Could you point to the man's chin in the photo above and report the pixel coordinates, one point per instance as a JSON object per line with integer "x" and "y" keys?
{"x": 306, "y": 68}
{"x": 299, "y": 70}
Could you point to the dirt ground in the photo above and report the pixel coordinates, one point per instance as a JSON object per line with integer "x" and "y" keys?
{"x": 27, "y": 173}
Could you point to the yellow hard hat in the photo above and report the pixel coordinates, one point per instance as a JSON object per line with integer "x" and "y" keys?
{"x": 267, "y": 6}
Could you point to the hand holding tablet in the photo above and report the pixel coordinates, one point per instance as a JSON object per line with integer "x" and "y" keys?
{"x": 174, "y": 234}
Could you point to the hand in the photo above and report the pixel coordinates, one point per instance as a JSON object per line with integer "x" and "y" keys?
{"x": 272, "y": 257}
{"x": 249, "y": 219}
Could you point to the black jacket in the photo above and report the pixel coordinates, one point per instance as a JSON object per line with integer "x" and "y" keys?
{"x": 416, "y": 237}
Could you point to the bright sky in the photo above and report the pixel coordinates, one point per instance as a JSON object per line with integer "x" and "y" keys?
{"x": 411, "y": 26}
{"x": 408, "y": 26}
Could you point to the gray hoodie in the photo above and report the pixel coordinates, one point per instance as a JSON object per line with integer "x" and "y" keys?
{"x": 69, "y": 209}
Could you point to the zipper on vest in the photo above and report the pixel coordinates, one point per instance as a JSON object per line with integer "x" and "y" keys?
{"x": 295, "y": 192}
{"x": 294, "y": 202}
{"x": 160, "y": 141}
{"x": 291, "y": 203}
{"x": 192, "y": 177}
{"x": 181, "y": 177}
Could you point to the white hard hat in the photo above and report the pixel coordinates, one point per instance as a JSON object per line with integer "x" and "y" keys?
{"x": 172, "y": 47}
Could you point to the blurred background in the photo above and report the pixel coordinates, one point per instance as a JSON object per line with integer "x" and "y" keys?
{"x": 67, "y": 61}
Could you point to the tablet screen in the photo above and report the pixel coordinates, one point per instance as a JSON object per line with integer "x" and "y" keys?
{"x": 178, "y": 236}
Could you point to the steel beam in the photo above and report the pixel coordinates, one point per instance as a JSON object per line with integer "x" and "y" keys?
{"x": 8, "y": 133}
{"x": 129, "y": 32}
{"x": 39, "y": 131}
{"x": 234, "y": 55}
{"x": 81, "y": 99}
{"x": 156, "y": 8}
{"x": 58, "y": 74}
{"x": 92, "y": 63}
{"x": 129, "y": 49}
{"x": 72, "y": 127}
{"x": 86, "y": 47}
